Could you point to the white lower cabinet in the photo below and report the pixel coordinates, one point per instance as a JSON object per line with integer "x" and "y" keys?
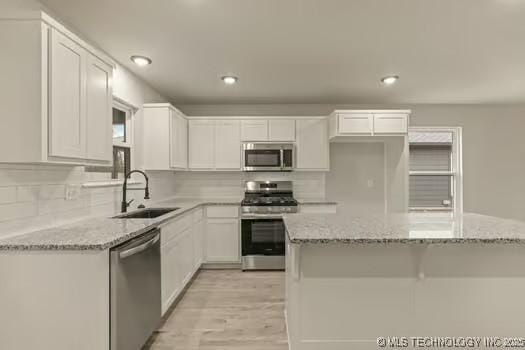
{"x": 198, "y": 237}
{"x": 177, "y": 258}
{"x": 222, "y": 234}
{"x": 170, "y": 276}
{"x": 222, "y": 241}
{"x": 191, "y": 239}
{"x": 185, "y": 256}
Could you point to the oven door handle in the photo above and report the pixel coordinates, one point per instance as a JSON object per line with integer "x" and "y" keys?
{"x": 281, "y": 152}
{"x": 261, "y": 216}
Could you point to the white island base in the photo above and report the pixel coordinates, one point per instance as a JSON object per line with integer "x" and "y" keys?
{"x": 342, "y": 296}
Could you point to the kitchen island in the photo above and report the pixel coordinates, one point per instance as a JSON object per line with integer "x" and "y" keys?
{"x": 353, "y": 279}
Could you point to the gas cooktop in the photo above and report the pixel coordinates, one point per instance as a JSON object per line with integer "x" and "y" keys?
{"x": 268, "y": 197}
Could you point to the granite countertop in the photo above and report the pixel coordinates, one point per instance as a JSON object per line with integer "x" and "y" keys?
{"x": 315, "y": 201}
{"x": 103, "y": 232}
{"x": 403, "y": 228}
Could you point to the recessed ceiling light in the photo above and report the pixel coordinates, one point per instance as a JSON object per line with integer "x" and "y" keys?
{"x": 141, "y": 61}
{"x": 229, "y": 79}
{"x": 391, "y": 79}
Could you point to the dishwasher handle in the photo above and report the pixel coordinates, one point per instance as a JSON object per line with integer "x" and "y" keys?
{"x": 142, "y": 246}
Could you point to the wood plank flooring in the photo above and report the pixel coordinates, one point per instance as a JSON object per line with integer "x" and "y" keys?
{"x": 227, "y": 310}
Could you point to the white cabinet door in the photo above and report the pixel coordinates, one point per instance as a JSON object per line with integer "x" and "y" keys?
{"x": 157, "y": 129}
{"x": 254, "y": 130}
{"x": 312, "y": 144}
{"x": 178, "y": 141}
{"x": 171, "y": 280}
{"x": 67, "y": 89}
{"x": 227, "y": 145}
{"x": 99, "y": 110}
{"x": 222, "y": 240}
{"x": 356, "y": 123}
{"x": 390, "y": 123}
{"x": 281, "y": 129}
{"x": 185, "y": 256}
{"x": 201, "y": 144}
{"x": 198, "y": 244}
{"x": 183, "y": 142}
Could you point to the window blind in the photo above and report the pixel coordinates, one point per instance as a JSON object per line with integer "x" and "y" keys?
{"x": 430, "y": 158}
{"x": 430, "y": 190}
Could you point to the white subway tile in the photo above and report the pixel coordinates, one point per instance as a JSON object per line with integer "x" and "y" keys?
{"x": 52, "y": 192}
{"x": 7, "y": 194}
{"x": 18, "y": 211}
{"x": 27, "y": 193}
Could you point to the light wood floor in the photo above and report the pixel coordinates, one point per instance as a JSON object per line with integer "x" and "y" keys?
{"x": 227, "y": 310}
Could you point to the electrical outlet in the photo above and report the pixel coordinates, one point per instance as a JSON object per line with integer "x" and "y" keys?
{"x": 370, "y": 183}
{"x": 72, "y": 192}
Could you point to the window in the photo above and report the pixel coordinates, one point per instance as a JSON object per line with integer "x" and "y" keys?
{"x": 122, "y": 145}
{"x": 435, "y": 169}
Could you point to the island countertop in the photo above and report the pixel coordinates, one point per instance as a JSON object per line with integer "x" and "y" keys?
{"x": 403, "y": 228}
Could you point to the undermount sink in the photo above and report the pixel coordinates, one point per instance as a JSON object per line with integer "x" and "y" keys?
{"x": 148, "y": 213}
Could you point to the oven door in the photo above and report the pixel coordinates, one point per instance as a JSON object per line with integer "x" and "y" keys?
{"x": 262, "y": 236}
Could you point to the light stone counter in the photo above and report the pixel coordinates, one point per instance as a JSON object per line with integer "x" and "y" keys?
{"x": 103, "y": 232}
{"x": 353, "y": 279}
{"x": 315, "y": 201}
{"x": 403, "y": 228}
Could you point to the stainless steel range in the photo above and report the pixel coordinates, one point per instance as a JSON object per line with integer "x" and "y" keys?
{"x": 262, "y": 228}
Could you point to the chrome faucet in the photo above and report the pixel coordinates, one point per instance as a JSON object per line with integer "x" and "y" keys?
{"x": 125, "y": 203}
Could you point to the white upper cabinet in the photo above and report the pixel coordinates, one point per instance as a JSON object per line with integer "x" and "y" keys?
{"x": 312, "y": 144}
{"x": 59, "y": 101}
{"x": 281, "y": 130}
{"x": 356, "y": 123}
{"x": 99, "y": 106}
{"x": 201, "y": 144}
{"x": 67, "y": 107}
{"x": 227, "y": 145}
{"x": 214, "y": 144}
{"x": 390, "y": 123}
{"x": 254, "y": 130}
{"x": 368, "y": 123}
{"x": 165, "y": 137}
{"x": 178, "y": 140}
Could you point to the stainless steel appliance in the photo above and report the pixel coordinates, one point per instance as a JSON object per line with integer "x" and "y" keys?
{"x": 268, "y": 156}
{"x": 262, "y": 228}
{"x": 135, "y": 291}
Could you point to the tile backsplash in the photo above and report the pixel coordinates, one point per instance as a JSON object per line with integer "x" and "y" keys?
{"x": 34, "y": 196}
{"x": 231, "y": 184}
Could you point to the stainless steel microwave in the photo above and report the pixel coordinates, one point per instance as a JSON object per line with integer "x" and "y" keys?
{"x": 268, "y": 156}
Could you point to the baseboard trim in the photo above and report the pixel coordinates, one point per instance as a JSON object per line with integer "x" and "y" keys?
{"x": 221, "y": 266}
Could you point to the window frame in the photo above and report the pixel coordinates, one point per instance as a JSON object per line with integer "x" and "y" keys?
{"x": 129, "y": 143}
{"x": 456, "y": 171}
{"x": 130, "y": 111}
{"x": 129, "y": 124}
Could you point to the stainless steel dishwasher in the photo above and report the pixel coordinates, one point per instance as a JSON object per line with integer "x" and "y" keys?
{"x": 135, "y": 291}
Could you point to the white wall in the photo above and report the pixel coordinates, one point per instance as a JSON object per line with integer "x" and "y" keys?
{"x": 352, "y": 167}
{"x": 493, "y": 145}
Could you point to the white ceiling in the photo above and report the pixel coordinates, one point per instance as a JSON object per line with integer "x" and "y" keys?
{"x": 315, "y": 51}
